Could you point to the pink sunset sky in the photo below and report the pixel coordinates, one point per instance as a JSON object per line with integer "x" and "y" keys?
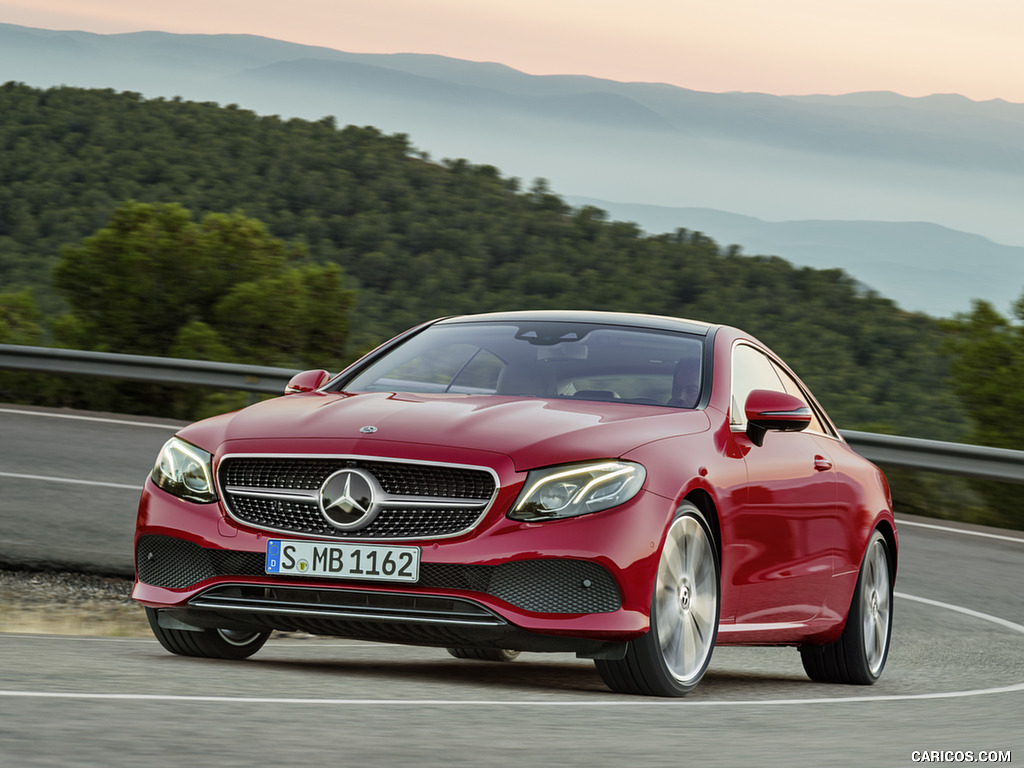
{"x": 913, "y": 47}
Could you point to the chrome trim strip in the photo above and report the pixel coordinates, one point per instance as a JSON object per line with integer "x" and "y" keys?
{"x": 386, "y": 499}
{"x": 778, "y": 626}
{"x": 258, "y": 493}
{"x": 333, "y": 613}
{"x": 416, "y": 501}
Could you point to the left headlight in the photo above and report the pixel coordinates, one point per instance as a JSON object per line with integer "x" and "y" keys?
{"x": 577, "y": 489}
{"x": 185, "y": 471}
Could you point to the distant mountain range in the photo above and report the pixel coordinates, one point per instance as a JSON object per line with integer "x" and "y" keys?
{"x": 884, "y": 186}
{"x": 923, "y": 267}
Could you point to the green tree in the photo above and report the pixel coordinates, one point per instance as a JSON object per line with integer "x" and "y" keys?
{"x": 156, "y": 282}
{"x": 21, "y": 322}
{"x": 987, "y": 371}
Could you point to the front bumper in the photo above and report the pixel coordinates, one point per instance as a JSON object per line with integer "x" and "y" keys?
{"x": 582, "y": 584}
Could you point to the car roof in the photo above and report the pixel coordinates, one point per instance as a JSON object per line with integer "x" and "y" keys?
{"x": 630, "y": 319}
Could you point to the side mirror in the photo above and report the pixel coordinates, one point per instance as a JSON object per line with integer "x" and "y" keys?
{"x": 766, "y": 410}
{"x": 307, "y": 381}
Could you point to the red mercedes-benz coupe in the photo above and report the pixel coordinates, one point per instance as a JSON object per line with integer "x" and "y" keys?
{"x": 634, "y": 489}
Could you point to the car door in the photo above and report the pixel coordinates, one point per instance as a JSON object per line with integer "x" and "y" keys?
{"x": 785, "y": 521}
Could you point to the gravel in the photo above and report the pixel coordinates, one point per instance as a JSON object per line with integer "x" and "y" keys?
{"x": 69, "y": 603}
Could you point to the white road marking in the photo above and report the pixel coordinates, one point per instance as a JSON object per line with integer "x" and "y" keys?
{"x": 966, "y": 611}
{"x": 604, "y": 702}
{"x": 90, "y": 418}
{"x": 947, "y": 529}
{"x": 47, "y": 479}
{"x": 623, "y": 702}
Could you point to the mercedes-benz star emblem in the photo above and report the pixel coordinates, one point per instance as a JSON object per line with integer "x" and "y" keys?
{"x": 347, "y": 499}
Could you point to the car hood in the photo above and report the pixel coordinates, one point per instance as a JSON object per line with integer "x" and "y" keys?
{"x": 533, "y": 432}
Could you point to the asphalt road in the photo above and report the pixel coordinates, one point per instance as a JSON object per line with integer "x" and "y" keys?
{"x": 70, "y": 484}
{"x": 954, "y": 681}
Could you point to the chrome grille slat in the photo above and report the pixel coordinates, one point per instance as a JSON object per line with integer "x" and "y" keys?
{"x": 261, "y": 493}
{"x": 421, "y": 500}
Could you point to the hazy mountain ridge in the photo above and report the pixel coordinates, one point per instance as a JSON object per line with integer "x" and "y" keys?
{"x": 785, "y": 160}
{"x": 831, "y": 120}
{"x": 932, "y": 268}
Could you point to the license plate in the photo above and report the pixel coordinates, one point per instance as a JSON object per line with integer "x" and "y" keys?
{"x": 343, "y": 561}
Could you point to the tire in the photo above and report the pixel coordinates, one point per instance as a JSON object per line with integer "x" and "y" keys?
{"x": 858, "y": 656}
{"x": 484, "y": 654}
{"x": 207, "y": 643}
{"x": 671, "y": 658}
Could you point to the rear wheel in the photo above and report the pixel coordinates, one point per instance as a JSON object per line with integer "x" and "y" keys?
{"x": 858, "y": 656}
{"x": 671, "y": 658}
{"x": 484, "y": 654}
{"x": 207, "y": 643}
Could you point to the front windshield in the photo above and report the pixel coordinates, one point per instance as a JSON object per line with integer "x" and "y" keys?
{"x": 583, "y": 361}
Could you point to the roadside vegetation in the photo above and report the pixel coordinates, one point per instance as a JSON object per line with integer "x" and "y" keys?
{"x": 175, "y": 228}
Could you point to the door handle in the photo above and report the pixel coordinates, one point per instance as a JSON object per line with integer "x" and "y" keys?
{"x": 821, "y": 464}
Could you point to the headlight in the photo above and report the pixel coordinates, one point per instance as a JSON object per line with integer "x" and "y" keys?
{"x": 184, "y": 470}
{"x": 576, "y": 489}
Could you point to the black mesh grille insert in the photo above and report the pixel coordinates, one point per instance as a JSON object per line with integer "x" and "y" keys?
{"x": 305, "y": 517}
{"x": 543, "y": 586}
{"x": 164, "y": 561}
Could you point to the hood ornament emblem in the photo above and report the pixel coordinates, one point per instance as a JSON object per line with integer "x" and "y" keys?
{"x": 348, "y": 499}
{"x": 368, "y": 430}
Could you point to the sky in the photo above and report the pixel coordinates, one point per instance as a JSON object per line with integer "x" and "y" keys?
{"x": 785, "y": 47}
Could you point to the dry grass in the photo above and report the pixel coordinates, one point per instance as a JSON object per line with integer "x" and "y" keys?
{"x": 69, "y": 604}
{"x": 80, "y": 620}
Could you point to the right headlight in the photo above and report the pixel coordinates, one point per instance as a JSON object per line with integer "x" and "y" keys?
{"x": 577, "y": 489}
{"x": 185, "y": 471}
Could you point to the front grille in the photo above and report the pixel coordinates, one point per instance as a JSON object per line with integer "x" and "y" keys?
{"x": 540, "y": 585}
{"x": 422, "y": 500}
{"x": 428, "y": 480}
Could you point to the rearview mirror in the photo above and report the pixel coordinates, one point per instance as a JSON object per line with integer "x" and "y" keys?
{"x": 307, "y": 381}
{"x": 767, "y": 410}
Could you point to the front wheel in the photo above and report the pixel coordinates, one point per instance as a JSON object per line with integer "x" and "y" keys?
{"x": 859, "y": 655}
{"x": 207, "y": 643}
{"x": 671, "y": 658}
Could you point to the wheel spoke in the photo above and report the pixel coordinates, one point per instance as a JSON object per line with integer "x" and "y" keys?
{"x": 688, "y": 657}
{"x": 672, "y": 565}
{"x": 870, "y": 632}
{"x": 702, "y": 611}
{"x": 671, "y": 643}
{"x": 879, "y": 639}
{"x": 883, "y": 601}
{"x": 695, "y": 560}
{"x": 876, "y": 571}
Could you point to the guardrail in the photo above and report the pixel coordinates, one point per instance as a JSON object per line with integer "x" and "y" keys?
{"x": 158, "y": 370}
{"x": 937, "y": 456}
{"x": 892, "y": 450}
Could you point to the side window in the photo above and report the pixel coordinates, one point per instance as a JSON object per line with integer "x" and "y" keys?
{"x": 750, "y": 370}
{"x": 794, "y": 389}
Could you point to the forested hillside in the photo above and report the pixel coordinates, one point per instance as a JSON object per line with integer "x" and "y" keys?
{"x": 418, "y": 239}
